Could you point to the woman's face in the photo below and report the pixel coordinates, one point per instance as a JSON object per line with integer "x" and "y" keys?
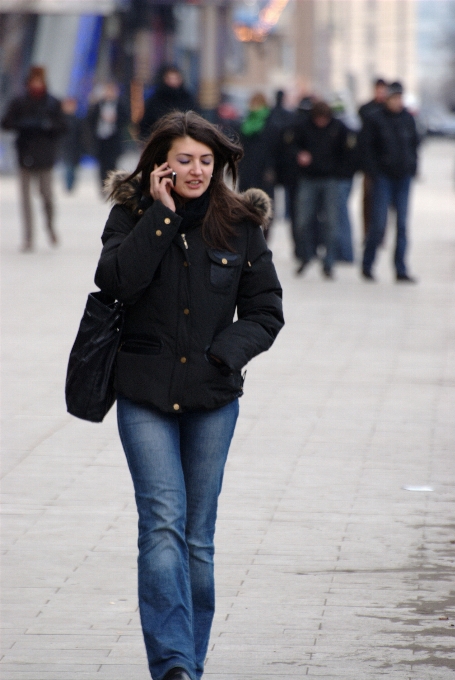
{"x": 193, "y": 163}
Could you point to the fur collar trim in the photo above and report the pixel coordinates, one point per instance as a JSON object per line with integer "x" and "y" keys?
{"x": 128, "y": 194}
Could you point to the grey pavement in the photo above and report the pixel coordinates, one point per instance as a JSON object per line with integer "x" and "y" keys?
{"x": 326, "y": 564}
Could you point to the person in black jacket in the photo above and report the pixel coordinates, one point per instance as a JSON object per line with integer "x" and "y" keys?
{"x": 376, "y": 104}
{"x": 170, "y": 95}
{"x": 107, "y": 119}
{"x": 320, "y": 141}
{"x": 286, "y": 165}
{"x": 38, "y": 119}
{"x": 389, "y": 143}
{"x": 184, "y": 253}
{"x": 72, "y": 144}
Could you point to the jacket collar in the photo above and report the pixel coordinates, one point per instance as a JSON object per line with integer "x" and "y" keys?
{"x": 129, "y": 195}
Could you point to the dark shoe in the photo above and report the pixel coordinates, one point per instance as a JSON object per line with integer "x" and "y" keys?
{"x": 405, "y": 278}
{"x": 368, "y": 276}
{"x": 53, "y": 237}
{"x": 301, "y": 267}
{"x": 328, "y": 273}
{"x": 177, "y": 674}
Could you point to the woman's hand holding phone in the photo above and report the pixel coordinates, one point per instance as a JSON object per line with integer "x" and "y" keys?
{"x": 162, "y": 181}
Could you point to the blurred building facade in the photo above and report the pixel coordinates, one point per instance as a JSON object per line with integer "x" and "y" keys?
{"x": 331, "y": 46}
{"x": 317, "y": 45}
{"x": 358, "y": 40}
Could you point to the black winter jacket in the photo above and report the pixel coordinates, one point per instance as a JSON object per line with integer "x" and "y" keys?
{"x": 181, "y": 297}
{"x": 39, "y": 123}
{"x": 389, "y": 144}
{"x": 326, "y": 145}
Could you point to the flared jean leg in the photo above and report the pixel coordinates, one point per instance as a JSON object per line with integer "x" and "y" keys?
{"x": 205, "y": 439}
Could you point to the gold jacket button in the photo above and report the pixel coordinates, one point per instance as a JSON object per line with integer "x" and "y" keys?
{"x": 158, "y": 232}
{"x": 186, "y": 311}
{"x": 140, "y": 212}
{"x": 167, "y": 220}
{"x": 224, "y": 261}
{"x": 185, "y": 264}
{"x": 176, "y": 407}
{"x": 183, "y": 360}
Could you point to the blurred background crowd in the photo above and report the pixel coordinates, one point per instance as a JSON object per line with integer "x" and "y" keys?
{"x": 297, "y": 80}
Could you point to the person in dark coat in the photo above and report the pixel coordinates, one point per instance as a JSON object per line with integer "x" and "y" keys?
{"x": 38, "y": 119}
{"x": 320, "y": 141}
{"x": 286, "y": 165}
{"x": 107, "y": 119}
{"x": 371, "y": 107}
{"x": 350, "y": 164}
{"x": 280, "y": 119}
{"x": 72, "y": 144}
{"x": 184, "y": 253}
{"x": 376, "y": 104}
{"x": 389, "y": 142}
{"x": 170, "y": 95}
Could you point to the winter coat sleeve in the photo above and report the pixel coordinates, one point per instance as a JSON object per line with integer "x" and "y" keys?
{"x": 132, "y": 252}
{"x": 259, "y": 309}
{"x": 11, "y": 117}
{"x": 48, "y": 119}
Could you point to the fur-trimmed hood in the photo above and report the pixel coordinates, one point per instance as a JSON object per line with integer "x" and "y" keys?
{"x": 128, "y": 193}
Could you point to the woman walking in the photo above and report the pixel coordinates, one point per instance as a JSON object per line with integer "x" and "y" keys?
{"x": 183, "y": 253}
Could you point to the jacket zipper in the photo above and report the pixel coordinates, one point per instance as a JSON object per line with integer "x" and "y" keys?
{"x": 184, "y": 241}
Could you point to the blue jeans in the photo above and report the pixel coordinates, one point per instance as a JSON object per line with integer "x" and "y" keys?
{"x": 387, "y": 191}
{"x": 177, "y": 464}
{"x": 312, "y": 194}
{"x": 344, "y": 250}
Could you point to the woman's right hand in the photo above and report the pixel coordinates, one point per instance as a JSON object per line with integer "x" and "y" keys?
{"x": 161, "y": 185}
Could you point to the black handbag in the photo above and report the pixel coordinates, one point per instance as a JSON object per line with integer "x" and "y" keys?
{"x": 89, "y": 388}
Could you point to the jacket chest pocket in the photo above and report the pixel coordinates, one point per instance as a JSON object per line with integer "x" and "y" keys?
{"x": 224, "y": 268}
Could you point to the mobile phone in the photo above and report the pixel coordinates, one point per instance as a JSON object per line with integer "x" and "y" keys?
{"x": 173, "y": 178}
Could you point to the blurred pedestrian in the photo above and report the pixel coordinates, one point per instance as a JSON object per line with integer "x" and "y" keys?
{"x": 72, "y": 144}
{"x": 320, "y": 141}
{"x": 256, "y": 167}
{"x": 390, "y": 143}
{"x": 183, "y": 255}
{"x": 107, "y": 119}
{"x": 279, "y": 120}
{"x": 286, "y": 164}
{"x": 228, "y": 117}
{"x": 170, "y": 95}
{"x": 350, "y": 164}
{"x": 38, "y": 119}
{"x": 373, "y": 106}
{"x": 379, "y": 98}
{"x": 347, "y": 168}
{"x": 280, "y": 117}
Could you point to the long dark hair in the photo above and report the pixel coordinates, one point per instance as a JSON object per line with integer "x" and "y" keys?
{"x": 226, "y": 208}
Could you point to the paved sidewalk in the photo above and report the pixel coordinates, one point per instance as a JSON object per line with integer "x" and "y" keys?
{"x": 326, "y": 565}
